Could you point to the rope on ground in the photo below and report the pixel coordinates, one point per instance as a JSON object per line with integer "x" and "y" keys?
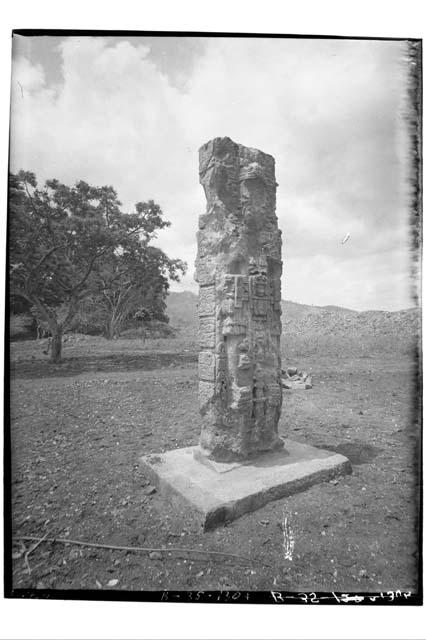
{"x": 132, "y": 549}
{"x": 39, "y": 541}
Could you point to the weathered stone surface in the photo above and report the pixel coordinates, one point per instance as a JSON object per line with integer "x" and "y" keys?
{"x": 238, "y": 269}
{"x": 220, "y": 492}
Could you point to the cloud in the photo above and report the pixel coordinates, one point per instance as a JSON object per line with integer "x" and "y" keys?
{"x": 356, "y": 283}
{"x": 327, "y": 110}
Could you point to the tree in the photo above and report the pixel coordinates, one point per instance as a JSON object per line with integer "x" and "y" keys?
{"x": 58, "y": 236}
{"x": 133, "y": 284}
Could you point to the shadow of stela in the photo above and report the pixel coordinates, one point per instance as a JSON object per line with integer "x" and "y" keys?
{"x": 356, "y": 452}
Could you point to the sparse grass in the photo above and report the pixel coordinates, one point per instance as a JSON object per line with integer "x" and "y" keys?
{"x": 78, "y": 430}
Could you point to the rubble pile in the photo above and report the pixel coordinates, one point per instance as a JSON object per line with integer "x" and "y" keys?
{"x": 299, "y": 319}
{"x": 292, "y": 378}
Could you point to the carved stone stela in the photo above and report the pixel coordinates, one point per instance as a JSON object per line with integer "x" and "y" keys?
{"x": 238, "y": 269}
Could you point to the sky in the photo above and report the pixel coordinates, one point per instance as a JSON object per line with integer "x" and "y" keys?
{"x": 133, "y": 112}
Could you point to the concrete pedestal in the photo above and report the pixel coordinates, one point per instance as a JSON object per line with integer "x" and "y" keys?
{"x": 221, "y": 492}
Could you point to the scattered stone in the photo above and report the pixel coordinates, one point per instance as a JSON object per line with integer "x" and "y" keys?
{"x": 292, "y": 379}
{"x": 112, "y": 583}
{"x": 298, "y": 381}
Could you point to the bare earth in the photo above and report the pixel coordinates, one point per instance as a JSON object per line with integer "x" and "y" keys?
{"x": 78, "y": 430}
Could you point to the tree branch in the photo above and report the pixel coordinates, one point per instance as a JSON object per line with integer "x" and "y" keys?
{"x": 47, "y": 255}
{"x": 72, "y": 310}
{"x": 44, "y": 313}
{"x": 89, "y": 269}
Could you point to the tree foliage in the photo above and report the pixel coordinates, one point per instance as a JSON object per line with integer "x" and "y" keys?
{"x": 70, "y": 244}
{"x": 133, "y": 284}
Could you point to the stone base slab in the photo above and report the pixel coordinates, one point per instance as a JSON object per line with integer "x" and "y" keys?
{"x": 220, "y": 496}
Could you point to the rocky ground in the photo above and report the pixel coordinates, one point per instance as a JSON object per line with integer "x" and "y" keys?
{"x": 78, "y": 430}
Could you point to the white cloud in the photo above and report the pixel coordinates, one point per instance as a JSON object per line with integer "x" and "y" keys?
{"x": 355, "y": 282}
{"x": 327, "y": 111}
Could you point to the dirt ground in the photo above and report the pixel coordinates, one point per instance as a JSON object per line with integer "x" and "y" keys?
{"x": 78, "y": 431}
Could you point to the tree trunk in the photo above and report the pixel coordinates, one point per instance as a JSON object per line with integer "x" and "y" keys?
{"x": 113, "y": 327}
{"x": 110, "y": 330}
{"x": 56, "y": 353}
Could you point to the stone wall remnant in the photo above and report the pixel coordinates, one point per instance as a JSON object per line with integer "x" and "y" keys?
{"x": 238, "y": 269}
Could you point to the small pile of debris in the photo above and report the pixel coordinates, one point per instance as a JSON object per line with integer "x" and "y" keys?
{"x": 291, "y": 378}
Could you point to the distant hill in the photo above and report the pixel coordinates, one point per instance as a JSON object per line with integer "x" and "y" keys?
{"x": 301, "y": 319}
{"x": 182, "y": 308}
{"x": 303, "y": 324}
{"x": 332, "y": 320}
{"x": 297, "y": 311}
{"x": 332, "y": 307}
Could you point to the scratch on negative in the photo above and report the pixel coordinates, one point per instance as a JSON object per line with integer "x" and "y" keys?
{"x": 288, "y": 540}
